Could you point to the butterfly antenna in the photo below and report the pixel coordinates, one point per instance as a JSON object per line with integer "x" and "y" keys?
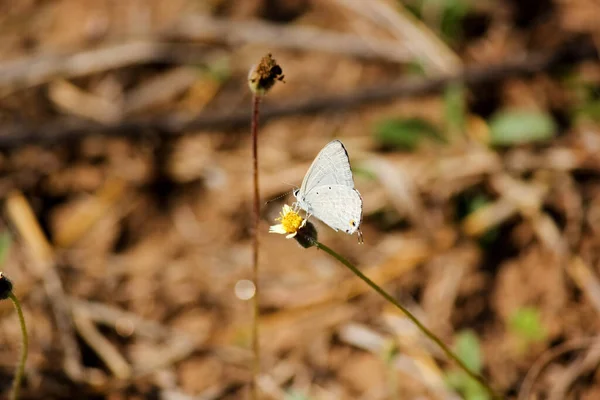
{"x": 278, "y": 197}
{"x": 283, "y": 195}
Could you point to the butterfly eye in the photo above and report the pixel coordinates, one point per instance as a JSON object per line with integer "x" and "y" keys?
{"x": 295, "y": 192}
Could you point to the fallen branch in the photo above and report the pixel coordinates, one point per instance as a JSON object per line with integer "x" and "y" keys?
{"x": 61, "y": 130}
{"x": 188, "y": 42}
{"x": 36, "y": 70}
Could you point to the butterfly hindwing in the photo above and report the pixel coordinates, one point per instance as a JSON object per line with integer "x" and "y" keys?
{"x": 338, "y": 206}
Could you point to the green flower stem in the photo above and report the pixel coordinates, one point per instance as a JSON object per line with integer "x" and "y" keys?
{"x": 414, "y": 319}
{"x": 14, "y": 393}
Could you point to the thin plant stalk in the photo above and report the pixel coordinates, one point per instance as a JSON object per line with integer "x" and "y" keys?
{"x": 16, "y": 385}
{"x": 261, "y": 78}
{"x": 255, "y": 247}
{"x": 414, "y": 319}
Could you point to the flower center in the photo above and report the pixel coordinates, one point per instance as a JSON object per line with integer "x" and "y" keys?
{"x": 291, "y": 221}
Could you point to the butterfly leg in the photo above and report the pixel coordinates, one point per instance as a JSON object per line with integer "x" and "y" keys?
{"x": 360, "y": 236}
{"x": 308, "y": 214}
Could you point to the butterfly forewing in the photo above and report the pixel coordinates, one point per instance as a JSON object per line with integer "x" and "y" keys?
{"x": 331, "y": 166}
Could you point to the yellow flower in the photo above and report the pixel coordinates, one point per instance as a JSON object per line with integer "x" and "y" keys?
{"x": 291, "y": 222}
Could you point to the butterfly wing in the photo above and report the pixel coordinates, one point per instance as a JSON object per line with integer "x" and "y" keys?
{"x": 330, "y": 167}
{"x": 339, "y": 206}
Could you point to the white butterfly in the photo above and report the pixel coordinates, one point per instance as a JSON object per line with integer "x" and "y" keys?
{"x": 328, "y": 192}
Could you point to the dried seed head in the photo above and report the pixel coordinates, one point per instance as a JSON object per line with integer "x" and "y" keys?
{"x": 263, "y": 76}
{"x": 5, "y": 287}
{"x": 307, "y": 235}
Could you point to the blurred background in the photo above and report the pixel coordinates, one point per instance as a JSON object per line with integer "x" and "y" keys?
{"x": 125, "y": 174}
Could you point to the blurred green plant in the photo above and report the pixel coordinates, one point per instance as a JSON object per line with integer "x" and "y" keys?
{"x": 526, "y": 324}
{"x": 512, "y": 127}
{"x": 469, "y": 202}
{"x": 388, "y": 355}
{"x": 5, "y": 244}
{"x": 294, "y": 395}
{"x": 468, "y": 349}
{"x": 413, "y": 6}
{"x": 586, "y": 97}
{"x": 453, "y": 13}
{"x": 364, "y": 173}
{"x": 455, "y": 109}
{"x": 219, "y": 70}
{"x": 416, "y": 68}
{"x": 405, "y": 133}
{"x": 445, "y": 16}
{"x": 588, "y": 110}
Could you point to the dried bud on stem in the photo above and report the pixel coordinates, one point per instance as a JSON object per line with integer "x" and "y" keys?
{"x": 263, "y": 76}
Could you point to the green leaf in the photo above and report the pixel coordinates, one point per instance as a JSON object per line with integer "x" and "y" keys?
{"x": 516, "y": 127}
{"x": 5, "y": 243}
{"x": 469, "y": 203}
{"x": 590, "y": 109}
{"x": 474, "y": 391}
{"x": 416, "y": 67}
{"x": 219, "y": 70}
{"x": 363, "y": 172}
{"x": 457, "y": 379}
{"x": 293, "y": 395}
{"x": 454, "y": 102}
{"x": 477, "y": 202}
{"x": 405, "y": 134}
{"x": 468, "y": 350}
{"x": 453, "y": 13}
{"x": 527, "y": 324}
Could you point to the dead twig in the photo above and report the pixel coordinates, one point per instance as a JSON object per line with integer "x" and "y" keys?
{"x": 39, "y": 69}
{"x": 585, "y": 278}
{"x": 115, "y": 362}
{"x": 577, "y": 368}
{"x": 201, "y": 27}
{"x": 412, "y": 33}
{"x": 176, "y": 346}
{"x": 43, "y": 267}
{"x": 547, "y": 357}
{"x": 61, "y": 130}
{"x": 167, "y": 47}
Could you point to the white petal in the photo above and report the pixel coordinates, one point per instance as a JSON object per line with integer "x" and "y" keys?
{"x": 277, "y": 229}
